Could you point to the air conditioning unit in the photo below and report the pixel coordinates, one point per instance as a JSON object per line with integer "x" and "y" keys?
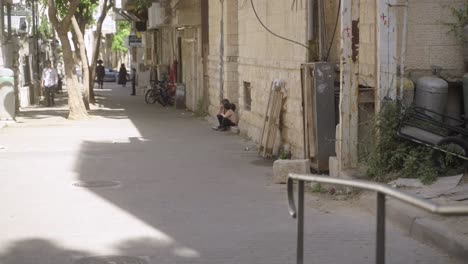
{"x": 318, "y": 101}
{"x": 156, "y": 16}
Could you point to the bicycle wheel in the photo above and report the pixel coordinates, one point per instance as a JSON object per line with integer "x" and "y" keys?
{"x": 160, "y": 98}
{"x": 150, "y": 97}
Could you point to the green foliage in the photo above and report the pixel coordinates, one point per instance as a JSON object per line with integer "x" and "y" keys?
{"x": 391, "y": 154}
{"x": 62, "y": 8}
{"x": 285, "y": 155}
{"x": 202, "y": 108}
{"x": 461, "y": 20}
{"x": 118, "y": 41}
{"x": 84, "y": 14}
{"x": 418, "y": 164}
{"x": 142, "y": 5}
{"x": 318, "y": 188}
{"x": 448, "y": 163}
{"x": 45, "y": 28}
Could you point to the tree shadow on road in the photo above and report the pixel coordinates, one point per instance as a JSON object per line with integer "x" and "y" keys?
{"x": 133, "y": 251}
{"x": 192, "y": 183}
{"x": 37, "y": 251}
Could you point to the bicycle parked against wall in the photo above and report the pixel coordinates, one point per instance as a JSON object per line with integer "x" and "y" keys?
{"x": 160, "y": 92}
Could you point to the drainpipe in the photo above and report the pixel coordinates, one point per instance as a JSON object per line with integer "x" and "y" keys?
{"x": 310, "y": 20}
{"x": 221, "y": 54}
{"x": 9, "y": 20}
{"x": 2, "y": 31}
{"x": 2, "y": 21}
{"x": 310, "y": 25}
{"x": 403, "y": 48}
{"x": 320, "y": 29}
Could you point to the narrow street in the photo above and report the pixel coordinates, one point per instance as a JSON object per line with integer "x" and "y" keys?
{"x": 182, "y": 194}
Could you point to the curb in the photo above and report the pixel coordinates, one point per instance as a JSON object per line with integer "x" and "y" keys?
{"x": 417, "y": 224}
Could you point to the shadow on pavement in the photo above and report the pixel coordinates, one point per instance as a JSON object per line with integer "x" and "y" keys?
{"x": 135, "y": 251}
{"x": 186, "y": 194}
{"x": 34, "y": 251}
{"x": 60, "y": 109}
{"x": 189, "y": 182}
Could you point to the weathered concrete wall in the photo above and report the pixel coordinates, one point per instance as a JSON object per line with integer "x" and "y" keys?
{"x": 214, "y": 60}
{"x": 223, "y": 53}
{"x": 241, "y": 50}
{"x": 367, "y": 43}
{"x": 428, "y": 40}
{"x": 187, "y": 13}
{"x": 331, "y": 9}
{"x": 264, "y": 58}
{"x": 166, "y": 46}
{"x": 192, "y": 65}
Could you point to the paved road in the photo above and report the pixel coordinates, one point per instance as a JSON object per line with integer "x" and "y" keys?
{"x": 187, "y": 194}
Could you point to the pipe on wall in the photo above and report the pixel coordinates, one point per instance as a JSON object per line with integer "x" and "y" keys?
{"x": 310, "y": 20}
{"x": 221, "y": 53}
{"x": 403, "y": 48}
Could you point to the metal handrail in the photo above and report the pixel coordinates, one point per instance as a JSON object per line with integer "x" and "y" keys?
{"x": 382, "y": 191}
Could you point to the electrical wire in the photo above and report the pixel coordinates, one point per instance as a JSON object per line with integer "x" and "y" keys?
{"x": 323, "y": 17}
{"x": 274, "y": 34}
{"x": 334, "y": 31}
{"x": 292, "y": 5}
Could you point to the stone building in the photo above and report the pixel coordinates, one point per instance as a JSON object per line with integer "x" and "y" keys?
{"x": 223, "y": 51}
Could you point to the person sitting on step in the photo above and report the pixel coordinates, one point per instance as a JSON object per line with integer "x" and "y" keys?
{"x": 228, "y": 118}
{"x": 221, "y": 111}
{"x": 221, "y": 107}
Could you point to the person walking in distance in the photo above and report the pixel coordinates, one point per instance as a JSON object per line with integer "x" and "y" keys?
{"x": 100, "y": 72}
{"x": 123, "y": 76}
{"x": 133, "y": 81}
{"x": 49, "y": 82}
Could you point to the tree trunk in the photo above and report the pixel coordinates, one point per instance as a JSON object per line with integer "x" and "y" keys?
{"x": 97, "y": 43}
{"x": 84, "y": 62}
{"x": 75, "y": 101}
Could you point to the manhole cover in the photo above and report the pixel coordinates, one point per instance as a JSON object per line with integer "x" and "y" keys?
{"x": 111, "y": 260}
{"x": 96, "y": 184}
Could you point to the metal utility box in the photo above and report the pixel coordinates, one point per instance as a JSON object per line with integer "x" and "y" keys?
{"x": 180, "y": 96}
{"x": 318, "y": 102}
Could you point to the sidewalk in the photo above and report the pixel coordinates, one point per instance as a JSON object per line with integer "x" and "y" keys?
{"x": 447, "y": 233}
{"x": 162, "y": 188}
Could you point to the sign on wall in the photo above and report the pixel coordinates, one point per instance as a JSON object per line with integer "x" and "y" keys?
{"x": 134, "y": 41}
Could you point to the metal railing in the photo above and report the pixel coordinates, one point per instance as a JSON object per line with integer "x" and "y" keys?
{"x": 382, "y": 191}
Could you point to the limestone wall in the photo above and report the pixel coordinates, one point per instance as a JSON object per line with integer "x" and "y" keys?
{"x": 223, "y": 51}
{"x": 428, "y": 40}
{"x": 242, "y": 51}
{"x": 264, "y": 58}
{"x": 187, "y": 13}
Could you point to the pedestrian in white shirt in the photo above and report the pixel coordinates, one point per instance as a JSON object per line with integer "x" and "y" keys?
{"x": 49, "y": 83}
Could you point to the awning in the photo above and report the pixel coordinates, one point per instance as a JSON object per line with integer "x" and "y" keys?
{"x": 128, "y": 15}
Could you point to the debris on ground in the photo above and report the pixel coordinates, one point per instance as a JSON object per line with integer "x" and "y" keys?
{"x": 451, "y": 186}
{"x": 406, "y": 183}
{"x": 250, "y": 148}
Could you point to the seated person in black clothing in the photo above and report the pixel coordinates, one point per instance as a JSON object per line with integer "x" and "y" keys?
{"x": 227, "y": 118}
